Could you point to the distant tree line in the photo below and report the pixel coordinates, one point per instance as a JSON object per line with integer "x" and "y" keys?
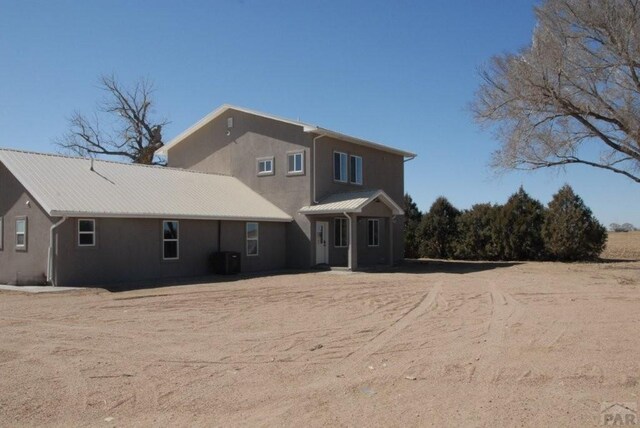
{"x": 625, "y": 227}
{"x": 521, "y": 229}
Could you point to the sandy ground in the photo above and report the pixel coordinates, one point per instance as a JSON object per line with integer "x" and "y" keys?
{"x": 433, "y": 343}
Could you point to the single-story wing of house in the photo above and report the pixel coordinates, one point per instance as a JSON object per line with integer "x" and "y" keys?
{"x": 74, "y": 221}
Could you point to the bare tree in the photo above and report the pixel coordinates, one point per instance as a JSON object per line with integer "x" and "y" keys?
{"x": 628, "y": 227}
{"x": 133, "y": 132}
{"x": 573, "y": 95}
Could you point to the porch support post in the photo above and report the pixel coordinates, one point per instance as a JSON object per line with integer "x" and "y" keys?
{"x": 390, "y": 220}
{"x": 353, "y": 241}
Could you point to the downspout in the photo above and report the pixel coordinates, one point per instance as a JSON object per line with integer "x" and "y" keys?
{"x": 315, "y": 201}
{"x": 50, "y": 272}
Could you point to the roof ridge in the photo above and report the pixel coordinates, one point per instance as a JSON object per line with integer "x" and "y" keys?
{"x": 307, "y": 128}
{"x": 59, "y": 155}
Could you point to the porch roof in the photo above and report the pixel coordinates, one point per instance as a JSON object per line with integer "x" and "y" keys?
{"x": 351, "y": 202}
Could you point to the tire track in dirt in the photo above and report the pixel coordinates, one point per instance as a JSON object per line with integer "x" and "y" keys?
{"x": 353, "y": 362}
{"x": 424, "y": 305}
{"x": 505, "y": 311}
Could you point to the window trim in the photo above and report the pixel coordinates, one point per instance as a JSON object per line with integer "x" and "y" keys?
{"x": 247, "y": 239}
{"x": 92, "y": 233}
{"x": 302, "y": 160}
{"x": 351, "y": 170}
{"x": 272, "y": 171}
{"x": 337, "y": 228}
{"x": 376, "y": 242}
{"x": 24, "y": 246}
{"x": 344, "y": 156}
{"x": 177, "y": 240}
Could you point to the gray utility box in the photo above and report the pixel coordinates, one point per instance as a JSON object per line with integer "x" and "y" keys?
{"x": 226, "y": 262}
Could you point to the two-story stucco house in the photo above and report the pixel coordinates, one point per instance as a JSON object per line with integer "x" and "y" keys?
{"x": 282, "y": 193}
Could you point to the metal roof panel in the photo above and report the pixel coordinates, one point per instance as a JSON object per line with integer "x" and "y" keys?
{"x": 69, "y": 186}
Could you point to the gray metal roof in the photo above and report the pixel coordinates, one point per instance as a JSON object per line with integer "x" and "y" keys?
{"x": 66, "y": 186}
{"x": 352, "y": 202}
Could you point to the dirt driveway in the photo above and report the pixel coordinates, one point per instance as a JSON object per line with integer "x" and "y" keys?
{"x": 434, "y": 344}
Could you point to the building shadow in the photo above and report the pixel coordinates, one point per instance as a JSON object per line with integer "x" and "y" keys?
{"x": 410, "y": 266}
{"x": 199, "y": 280}
{"x": 633, "y": 260}
{"x": 423, "y": 266}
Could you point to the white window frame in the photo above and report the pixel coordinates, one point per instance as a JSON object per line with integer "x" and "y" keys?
{"x": 344, "y": 167}
{"x": 22, "y": 247}
{"x": 92, "y": 233}
{"x": 373, "y": 239}
{"x": 295, "y": 171}
{"x": 355, "y": 169}
{"x": 265, "y": 160}
{"x": 1, "y": 233}
{"x": 176, "y": 240}
{"x": 343, "y": 240}
{"x": 247, "y": 239}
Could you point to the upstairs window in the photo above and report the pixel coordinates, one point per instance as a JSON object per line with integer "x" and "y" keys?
{"x": 374, "y": 232}
{"x": 295, "y": 162}
{"x": 265, "y": 166}
{"x": 170, "y": 240}
{"x": 340, "y": 233}
{"x": 252, "y": 239}
{"x": 356, "y": 169}
{"x": 86, "y": 233}
{"x": 21, "y": 233}
{"x": 340, "y": 167}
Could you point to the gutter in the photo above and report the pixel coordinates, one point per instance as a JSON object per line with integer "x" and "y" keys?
{"x": 410, "y": 158}
{"x": 50, "y": 270}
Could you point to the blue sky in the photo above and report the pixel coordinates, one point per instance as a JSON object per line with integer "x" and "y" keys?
{"x": 401, "y": 73}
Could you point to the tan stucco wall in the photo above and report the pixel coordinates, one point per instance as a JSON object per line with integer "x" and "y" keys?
{"x": 210, "y": 150}
{"x": 131, "y": 250}
{"x": 252, "y": 137}
{"x": 380, "y": 170}
{"x": 17, "y": 266}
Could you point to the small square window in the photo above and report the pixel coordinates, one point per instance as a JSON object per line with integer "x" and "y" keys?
{"x": 265, "y": 166}
{"x": 86, "y": 233}
{"x": 295, "y": 162}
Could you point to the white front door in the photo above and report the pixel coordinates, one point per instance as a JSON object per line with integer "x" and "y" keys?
{"x": 322, "y": 242}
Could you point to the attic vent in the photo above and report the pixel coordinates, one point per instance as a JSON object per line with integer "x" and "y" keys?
{"x": 230, "y": 122}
